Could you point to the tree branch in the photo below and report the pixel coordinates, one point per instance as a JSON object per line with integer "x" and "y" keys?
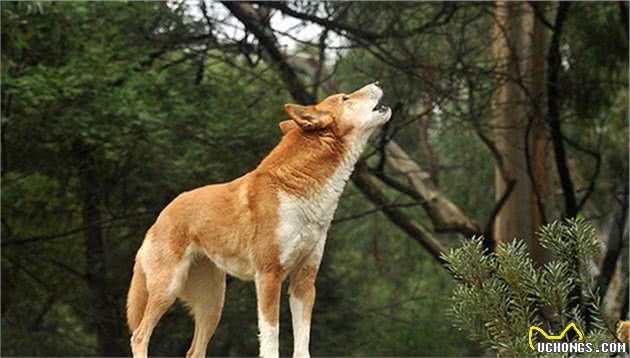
{"x": 414, "y": 229}
{"x": 247, "y": 16}
{"x": 104, "y": 223}
{"x": 540, "y": 15}
{"x": 440, "y": 18}
{"x": 509, "y": 187}
{"x": 372, "y": 211}
{"x": 623, "y": 12}
{"x": 553, "y": 111}
{"x": 444, "y": 214}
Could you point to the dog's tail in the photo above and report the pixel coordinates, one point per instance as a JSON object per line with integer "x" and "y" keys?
{"x": 137, "y": 297}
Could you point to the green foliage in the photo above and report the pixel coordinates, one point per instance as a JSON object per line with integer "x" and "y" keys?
{"x": 398, "y": 296}
{"x": 127, "y": 81}
{"x": 500, "y": 295}
{"x": 74, "y": 73}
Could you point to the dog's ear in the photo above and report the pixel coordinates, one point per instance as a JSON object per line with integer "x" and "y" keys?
{"x": 308, "y": 117}
{"x": 286, "y": 126}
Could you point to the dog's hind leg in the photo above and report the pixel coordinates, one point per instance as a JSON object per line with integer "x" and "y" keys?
{"x": 164, "y": 283}
{"x": 204, "y": 292}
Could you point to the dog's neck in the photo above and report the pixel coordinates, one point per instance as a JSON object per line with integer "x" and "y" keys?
{"x": 304, "y": 163}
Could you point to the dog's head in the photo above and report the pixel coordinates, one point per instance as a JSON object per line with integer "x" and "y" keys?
{"x": 341, "y": 114}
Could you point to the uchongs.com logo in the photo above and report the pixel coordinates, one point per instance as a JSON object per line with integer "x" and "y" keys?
{"x": 556, "y": 344}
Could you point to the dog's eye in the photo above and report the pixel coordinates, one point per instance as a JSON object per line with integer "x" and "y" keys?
{"x": 345, "y": 98}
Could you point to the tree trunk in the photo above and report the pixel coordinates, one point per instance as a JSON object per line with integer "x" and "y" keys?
{"x": 553, "y": 112}
{"x": 617, "y": 235}
{"x": 105, "y": 317}
{"x": 520, "y": 131}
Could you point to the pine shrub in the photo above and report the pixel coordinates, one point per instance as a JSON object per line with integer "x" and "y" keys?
{"x": 499, "y": 295}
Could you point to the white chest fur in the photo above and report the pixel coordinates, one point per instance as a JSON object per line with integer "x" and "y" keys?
{"x": 304, "y": 221}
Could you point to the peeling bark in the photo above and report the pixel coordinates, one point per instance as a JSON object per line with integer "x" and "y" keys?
{"x": 444, "y": 214}
{"x": 520, "y": 130}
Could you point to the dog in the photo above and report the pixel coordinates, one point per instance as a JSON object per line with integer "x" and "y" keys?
{"x": 265, "y": 226}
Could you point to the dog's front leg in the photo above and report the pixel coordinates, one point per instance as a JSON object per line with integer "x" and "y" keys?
{"x": 268, "y": 296}
{"x": 302, "y": 298}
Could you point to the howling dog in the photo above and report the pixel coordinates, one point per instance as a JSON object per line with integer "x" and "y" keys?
{"x": 264, "y": 226}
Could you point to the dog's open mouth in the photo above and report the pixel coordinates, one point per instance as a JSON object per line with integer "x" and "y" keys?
{"x": 379, "y": 108}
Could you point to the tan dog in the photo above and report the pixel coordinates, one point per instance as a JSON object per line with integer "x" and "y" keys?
{"x": 264, "y": 226}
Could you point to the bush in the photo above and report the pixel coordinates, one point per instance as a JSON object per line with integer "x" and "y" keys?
{"x": 500, "y": 295}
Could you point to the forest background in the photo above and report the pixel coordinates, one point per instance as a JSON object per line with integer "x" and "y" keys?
{"x": 507, "y": 116}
